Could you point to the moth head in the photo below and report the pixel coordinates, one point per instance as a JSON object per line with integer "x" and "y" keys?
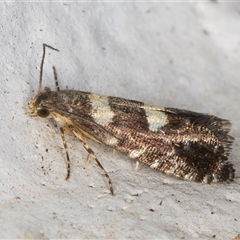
{"x": 41, "y": 104}
{"x": 38, "y": 106}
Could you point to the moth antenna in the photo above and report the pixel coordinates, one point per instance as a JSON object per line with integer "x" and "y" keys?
{"x": 55, "y": 78}
{"x": 41, "y": 66}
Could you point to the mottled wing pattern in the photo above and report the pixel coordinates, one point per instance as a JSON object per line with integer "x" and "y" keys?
{"x": 179, "y": 142}
{"x": 183, "y": 143}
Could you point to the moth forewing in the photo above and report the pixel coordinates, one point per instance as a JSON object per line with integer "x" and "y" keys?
{"x": 186, "y": 144}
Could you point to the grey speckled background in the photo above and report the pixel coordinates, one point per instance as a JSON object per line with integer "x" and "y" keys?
{"x": 183, "y": 55}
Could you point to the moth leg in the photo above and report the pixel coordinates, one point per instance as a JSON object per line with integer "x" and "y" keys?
{"x": 137, "y": 165}
{"x": 67, "y": 155}
{"x": 92, "y": 154}
{"x": 87, "y": 161}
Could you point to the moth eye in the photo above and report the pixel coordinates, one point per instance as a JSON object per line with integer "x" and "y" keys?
{"x": 42, "y": 112}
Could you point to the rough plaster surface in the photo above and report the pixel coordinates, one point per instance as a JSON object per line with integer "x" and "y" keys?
{"x": 184, "y": 55}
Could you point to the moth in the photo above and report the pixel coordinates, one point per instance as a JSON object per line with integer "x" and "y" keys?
{"x": 186, "y": 144}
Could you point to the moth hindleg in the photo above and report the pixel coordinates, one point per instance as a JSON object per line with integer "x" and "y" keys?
{"x": 92, "y": 154}
{"x": 67, "y": 155}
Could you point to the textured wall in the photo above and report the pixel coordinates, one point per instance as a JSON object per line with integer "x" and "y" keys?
{"x": 183, "y": 55}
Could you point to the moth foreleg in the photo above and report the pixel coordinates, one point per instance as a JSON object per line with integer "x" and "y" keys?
{"x": 92, "y": 154}
{"x": 67, "y": 155}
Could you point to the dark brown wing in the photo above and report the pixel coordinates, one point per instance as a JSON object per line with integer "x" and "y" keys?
{"x": 187, "y": 144}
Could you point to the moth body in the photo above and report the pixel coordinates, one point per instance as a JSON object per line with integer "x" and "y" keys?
{"x": 186, "y": 144}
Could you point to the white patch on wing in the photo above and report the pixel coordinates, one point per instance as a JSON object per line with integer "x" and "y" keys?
{"x": 190, "y": 176}
{"x": 156, "y": 118}
{"x": 155, "y": 164}
{"x": 136, "y": 153}
{"x": 112, "y": 142}
{"x": 101, "y": 111}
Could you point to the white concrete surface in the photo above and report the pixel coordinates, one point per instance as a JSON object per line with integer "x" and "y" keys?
{"x": 183, "y": 55}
